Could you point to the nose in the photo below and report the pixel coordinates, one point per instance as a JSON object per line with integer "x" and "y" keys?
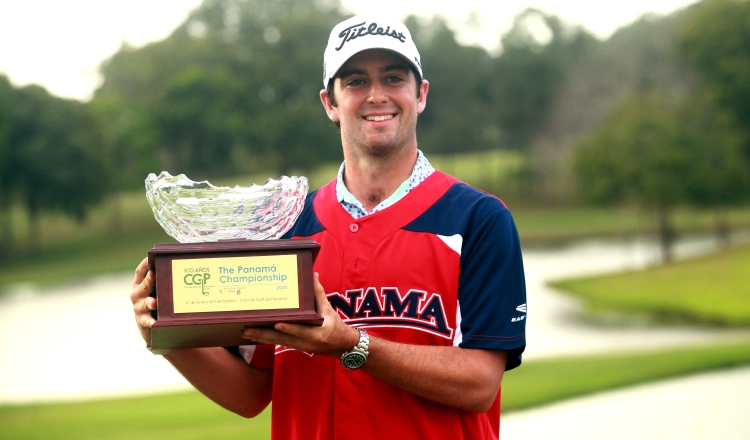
{"x": 377, "y": 93}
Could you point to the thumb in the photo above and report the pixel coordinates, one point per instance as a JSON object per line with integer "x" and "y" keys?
{"x": 321, "y": 300}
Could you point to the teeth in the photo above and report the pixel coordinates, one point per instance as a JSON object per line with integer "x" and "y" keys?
{"x": 378, "y": 118}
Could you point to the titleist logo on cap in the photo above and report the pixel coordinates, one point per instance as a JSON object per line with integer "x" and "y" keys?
{"x": 359, "y": 30}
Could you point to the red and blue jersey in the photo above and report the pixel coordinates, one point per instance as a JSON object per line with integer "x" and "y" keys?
{"x": 442, "y": 266}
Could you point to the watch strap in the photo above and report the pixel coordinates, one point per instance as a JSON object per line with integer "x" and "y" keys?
{"x": 357, "y": 356}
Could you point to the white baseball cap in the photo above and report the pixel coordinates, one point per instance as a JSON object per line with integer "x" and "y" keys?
{"x": 363, "y": 32}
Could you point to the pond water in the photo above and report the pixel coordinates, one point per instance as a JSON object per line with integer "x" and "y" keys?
{"x": 79, "y": 340}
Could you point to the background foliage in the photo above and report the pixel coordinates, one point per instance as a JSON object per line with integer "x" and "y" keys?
{"x": 656, "y": 116}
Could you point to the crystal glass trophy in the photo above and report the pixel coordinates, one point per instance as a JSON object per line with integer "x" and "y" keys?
{"x": 230, "y": 269}
{"x": 193, "y": 212}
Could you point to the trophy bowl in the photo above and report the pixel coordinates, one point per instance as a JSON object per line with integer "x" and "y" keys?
{"x": 193, "y": 212}
{"x": 228, "y": 271}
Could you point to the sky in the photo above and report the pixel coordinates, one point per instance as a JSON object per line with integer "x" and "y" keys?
{"x": 60, "y": 44}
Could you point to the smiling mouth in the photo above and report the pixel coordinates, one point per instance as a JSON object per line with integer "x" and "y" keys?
{"x": 378, "y": 118}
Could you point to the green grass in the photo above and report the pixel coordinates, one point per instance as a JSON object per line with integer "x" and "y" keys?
{"x": 118, "y": 233}
{"x": 550, "y": 225}
{"x": 183, "y": 416}
{"x": 120, "y": 215}
{"x": 546, "y": 381}
{"x": 189, "y": 415}
{"x": 712, "y": 290}
{"x": 561, "y": 224}
{"x": 71, "y": 250}
{"x": 497, "y": 169}
{"x": 81, "y": 258}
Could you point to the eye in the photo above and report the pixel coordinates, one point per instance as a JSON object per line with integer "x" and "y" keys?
{"x": 393, "y": 79}
{"x": 355, "y": 82}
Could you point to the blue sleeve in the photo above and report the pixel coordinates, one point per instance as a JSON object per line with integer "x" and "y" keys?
{"x": 307, "y": 223}
{"x": 492, "y": 289}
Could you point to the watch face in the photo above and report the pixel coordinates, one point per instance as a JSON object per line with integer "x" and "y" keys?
{"x": 353, "y": 360}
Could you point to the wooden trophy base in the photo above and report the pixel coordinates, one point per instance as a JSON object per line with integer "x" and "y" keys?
{"x": 208, "y": 293}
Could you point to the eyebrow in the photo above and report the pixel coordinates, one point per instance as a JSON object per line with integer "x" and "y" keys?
{"x": 400, "y": 66}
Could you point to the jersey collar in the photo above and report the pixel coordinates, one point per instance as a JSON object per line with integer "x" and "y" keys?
{"x": 422, "y": 170}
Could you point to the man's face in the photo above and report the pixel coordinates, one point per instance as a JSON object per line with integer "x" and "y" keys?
{"x": 376, "y": 103}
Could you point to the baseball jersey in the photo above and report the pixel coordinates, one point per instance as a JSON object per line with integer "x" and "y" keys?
{"x": 440, "y": 267}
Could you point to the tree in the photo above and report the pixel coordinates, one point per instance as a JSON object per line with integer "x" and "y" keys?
{"x": 459, "y": 116}
{"x": 225, "y": 93}
{"x": 53, "y": 156}
{"x": 537, "y": 53}
{"x": 166, "y": 104}
{"x": 722, "y": 177}
{"x": 538, "y": 56}
{"x": 637, "y": 58}
{"x": 659, "y": 152}
{"x": 7, "y": 183}
{"x": 715, "y": 38}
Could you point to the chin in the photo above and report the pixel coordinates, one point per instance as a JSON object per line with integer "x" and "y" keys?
{"x": 383, "y": 149}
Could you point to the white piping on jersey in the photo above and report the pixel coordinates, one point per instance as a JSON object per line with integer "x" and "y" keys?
{"x": 278, "y": 349}
{"x": 454, "y": 242}
{"x": 247, "y": 352}
{"x": 459, "y": 338}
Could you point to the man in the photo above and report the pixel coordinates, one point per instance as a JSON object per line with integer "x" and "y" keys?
{"x": 420, "y": 278}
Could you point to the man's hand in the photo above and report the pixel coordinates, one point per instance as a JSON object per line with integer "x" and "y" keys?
{"x": 332, "y": 338}
{"x": 143, "y": 304}
{"x": 463, "y": 378}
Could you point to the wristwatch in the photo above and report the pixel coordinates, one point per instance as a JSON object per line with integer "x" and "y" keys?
{"x": 357, "y": 356}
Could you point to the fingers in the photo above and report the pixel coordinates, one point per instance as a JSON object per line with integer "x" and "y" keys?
{"x": 331, "y": 338}
{"x": 292, "y": 334}
{"x": 143, "y": 304}
{"x": 298, "y": 336}
{"x": 142, "y": 309}
{"x": 267, "y": 336}
{"x": 143, "y": 283}
{"x": 144, "y": 320}
{"x": 321, "y": 300}
{"x": 334, "y": 330}
{"x": 140, "y": 272}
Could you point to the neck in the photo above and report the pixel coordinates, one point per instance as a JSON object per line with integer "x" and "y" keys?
{"x": 372, "y": 180}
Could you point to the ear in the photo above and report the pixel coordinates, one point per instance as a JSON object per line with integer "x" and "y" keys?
{"x": 422, "y": 101}
{"x": 328, "y": 105}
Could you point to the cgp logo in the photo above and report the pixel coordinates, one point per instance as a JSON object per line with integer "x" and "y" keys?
{"x": 197, "y": 279}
